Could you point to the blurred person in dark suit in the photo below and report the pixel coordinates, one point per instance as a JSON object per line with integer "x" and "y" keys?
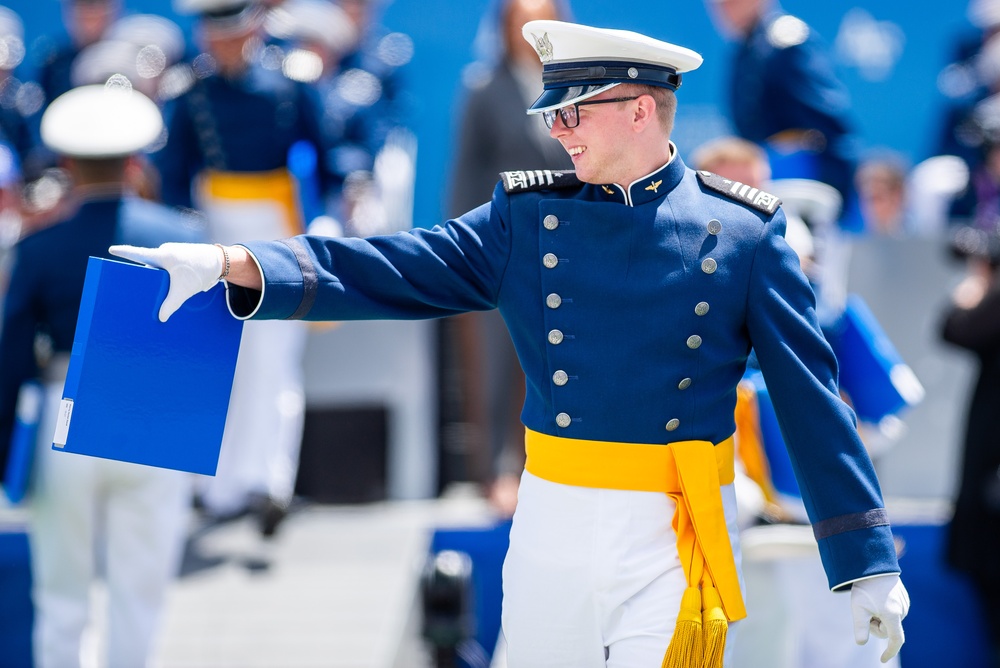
{"x": 972, "y": 322}
{"x": 495, "y": 135}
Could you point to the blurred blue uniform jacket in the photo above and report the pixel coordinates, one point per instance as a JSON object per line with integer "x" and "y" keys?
{"x": 783, "y": 78}
{"x": 46, "y": 282}
{"x": 244, "y": 124}
{"x": 614, "y": 289}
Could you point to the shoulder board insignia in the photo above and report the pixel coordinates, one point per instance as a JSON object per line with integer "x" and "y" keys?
{"x": 742, "y": 193}
{"x": 538, "y": 179}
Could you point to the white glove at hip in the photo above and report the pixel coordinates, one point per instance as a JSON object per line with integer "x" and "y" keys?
{"x": 192, "y": 268}
{"x": 879, "y": 605}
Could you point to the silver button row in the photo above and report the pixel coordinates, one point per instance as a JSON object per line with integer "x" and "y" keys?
{"x": 553, "y": 301}
{"x": 709, "y": 266}
{"x": 550, "y": 261}
{"x": 550, "y": 222}
{"x": 563, "y": 420}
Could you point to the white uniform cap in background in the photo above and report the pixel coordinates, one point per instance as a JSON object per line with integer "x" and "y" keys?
{"x": 100, "y": 122}
{"x": 319, "y": 21}
{"x": 11, "y": 39}
{"x": 579, "y": 61}
{"x": 149, "y": 31}
{"x": 818, "y": 204}
{"x": 101, "y": 60}
{"x": 984, "y": 14}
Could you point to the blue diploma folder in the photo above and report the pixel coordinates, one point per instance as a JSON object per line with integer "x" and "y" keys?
{"x": 140, "y": 390}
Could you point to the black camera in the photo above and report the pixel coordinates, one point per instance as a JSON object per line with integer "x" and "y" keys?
{"x": 971, "y": 242}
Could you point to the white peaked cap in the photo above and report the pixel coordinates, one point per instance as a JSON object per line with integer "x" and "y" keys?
{"x": 580, "y": 61}
{"x": 100, "y": 122}
{"x": 314, "y": 20}
{"x": 150, "y": 30}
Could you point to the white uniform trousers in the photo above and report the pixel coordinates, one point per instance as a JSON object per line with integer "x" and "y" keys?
{"x": 91, "y": 516}
{"x": 263, "y": 436}
{"x": 592, "y": 578}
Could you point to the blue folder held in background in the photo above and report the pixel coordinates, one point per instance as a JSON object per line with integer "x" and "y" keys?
{"x": 140, "y": 390}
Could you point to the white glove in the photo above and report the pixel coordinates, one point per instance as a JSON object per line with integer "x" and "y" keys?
{"x": 192, "y": 268}
{"x": 879, "y": 605}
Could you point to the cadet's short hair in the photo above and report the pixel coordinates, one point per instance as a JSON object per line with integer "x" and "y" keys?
{"x": 666, "y": 101}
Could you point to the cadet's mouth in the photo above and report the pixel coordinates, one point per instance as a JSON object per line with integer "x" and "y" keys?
{"x": 576, "y": 150}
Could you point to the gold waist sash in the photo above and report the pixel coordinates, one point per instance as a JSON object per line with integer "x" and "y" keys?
{"x": 691, "y": 473}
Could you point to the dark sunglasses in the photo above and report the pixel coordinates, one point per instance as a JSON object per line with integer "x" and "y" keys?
{"x": 570, "y": 114}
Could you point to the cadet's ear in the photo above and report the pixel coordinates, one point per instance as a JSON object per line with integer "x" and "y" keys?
{"x": 645, "y": 112}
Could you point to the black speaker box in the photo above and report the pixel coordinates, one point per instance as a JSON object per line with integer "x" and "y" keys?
{"x": 344, "y": 455}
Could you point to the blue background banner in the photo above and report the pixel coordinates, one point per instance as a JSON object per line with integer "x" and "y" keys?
{"x": 890, "y": 53}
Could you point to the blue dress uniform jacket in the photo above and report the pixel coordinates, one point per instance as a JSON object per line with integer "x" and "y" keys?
{"x": 632, "y": 312}
{"x": 244, "y": 124}
{"x": 46, "y": 282}
{"x": 783, "y": 78}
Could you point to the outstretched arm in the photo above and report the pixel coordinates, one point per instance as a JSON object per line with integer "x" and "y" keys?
{"x": 194, "y": 268}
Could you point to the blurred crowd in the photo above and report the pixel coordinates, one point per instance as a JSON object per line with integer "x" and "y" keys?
{"x": 287, "y": 116}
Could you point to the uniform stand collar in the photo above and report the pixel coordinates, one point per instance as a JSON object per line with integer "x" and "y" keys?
{"x": 647, "y": 188}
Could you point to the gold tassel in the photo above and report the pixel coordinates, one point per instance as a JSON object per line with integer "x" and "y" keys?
{"x": 715, "y": 627}
{"x": 685, "y": 648}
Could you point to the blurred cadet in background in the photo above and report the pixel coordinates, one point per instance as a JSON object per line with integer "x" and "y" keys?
{"x": 978, "y": 204}
{"x": 89, "y": 517}
{"x": 19, "y": 101}
{"x": 141, "y": 51}
{"x": 495, "y": 135}
{"x": 734, "y": 158}
{"x": 21, "y": 156}
{"x": 85, "y": 22}
{"x": 226, "y": 154}
{"x": 159, "y": 47}
{"x": 972, "y": 322}
{"x": 785, "y": 95}
{"x": 15, "y": 135}
{"x": 881, "y": 183}
{"x": 314, "y": 35}
{"x": 367, "y": 115}
{"x": 972, "y": 75}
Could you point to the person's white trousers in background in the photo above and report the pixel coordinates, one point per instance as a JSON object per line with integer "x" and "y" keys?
{"x": 94, "y": 517}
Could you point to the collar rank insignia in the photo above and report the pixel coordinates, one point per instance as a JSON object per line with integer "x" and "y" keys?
{"x": 654, "y": 185}
{"x": 608, "y": 190}
{"x": 742, "y": 193}
{"x": 538, "y": 179}
{"x": 543, "y": 45}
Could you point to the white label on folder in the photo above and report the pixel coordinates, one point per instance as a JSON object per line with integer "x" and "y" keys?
{"x": 62, "y": 423}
